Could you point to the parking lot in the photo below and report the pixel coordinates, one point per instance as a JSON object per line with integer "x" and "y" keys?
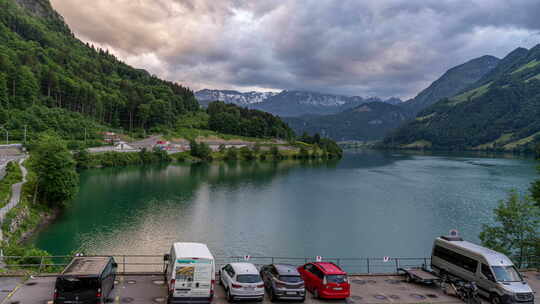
{"x": 151, "y": 289}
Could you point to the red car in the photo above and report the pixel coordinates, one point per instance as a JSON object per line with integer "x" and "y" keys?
{"x": 325, "y": 280}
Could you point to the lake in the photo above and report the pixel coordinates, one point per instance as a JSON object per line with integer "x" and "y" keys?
{"x": 369, "y": 204}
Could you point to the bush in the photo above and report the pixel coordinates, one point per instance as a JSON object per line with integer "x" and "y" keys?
{"x": 247, "y": 153}
{"x": 231, "y": 154}
{"x": 200, "y": 150}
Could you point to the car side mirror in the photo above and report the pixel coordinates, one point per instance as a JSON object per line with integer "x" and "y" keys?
{"x": 115, "y": 265}
{"x": 166, "y": 257}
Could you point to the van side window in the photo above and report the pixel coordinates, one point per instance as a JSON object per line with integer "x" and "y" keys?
{"x": 455, "y": 258}
{"x": 486, "y": 271}
{"x": 108, "y": 270}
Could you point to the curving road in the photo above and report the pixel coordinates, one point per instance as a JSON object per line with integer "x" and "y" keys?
{"x": 16, "y": 190}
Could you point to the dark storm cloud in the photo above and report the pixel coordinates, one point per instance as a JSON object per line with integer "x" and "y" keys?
{"x": 369, "y": 47}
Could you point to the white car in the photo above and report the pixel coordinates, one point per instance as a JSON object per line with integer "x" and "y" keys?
{"x": 241, "y": 282}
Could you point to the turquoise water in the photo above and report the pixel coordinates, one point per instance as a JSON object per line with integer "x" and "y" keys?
{"x": 371, "y": 203}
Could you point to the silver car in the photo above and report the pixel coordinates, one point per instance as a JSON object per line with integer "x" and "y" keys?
{"x": 283, "y": 282}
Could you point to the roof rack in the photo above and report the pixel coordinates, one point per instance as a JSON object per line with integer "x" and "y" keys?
{"x": 86, "y": 266}
{"x": 451, "y": 238}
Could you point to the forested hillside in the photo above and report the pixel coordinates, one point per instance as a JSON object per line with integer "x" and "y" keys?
{"x": 46, "y": 71}
{"x": 500, "y": 112}
{"x": 452, "y": 82}
{"x": 232, "y": 119}
{"x": 370, "y": 121}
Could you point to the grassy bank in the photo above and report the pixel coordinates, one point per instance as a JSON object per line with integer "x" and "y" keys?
{"x": 86, "y": 160}
{"x": 13, "y": 176}
{"x": 263, "y": 152}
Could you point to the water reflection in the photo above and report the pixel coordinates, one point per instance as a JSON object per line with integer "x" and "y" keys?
{"x": 371, "y": 203}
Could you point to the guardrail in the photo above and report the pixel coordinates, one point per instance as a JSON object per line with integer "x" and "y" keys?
{"x": 131, "y": 264}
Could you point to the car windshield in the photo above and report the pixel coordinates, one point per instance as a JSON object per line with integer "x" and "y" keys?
{"x": 336, "y": 278}
{"x": 77, "y": 284}
{"x": 506, "y": 274}
{"x": 248, "y": 278}
{"x": 290, "y": 279}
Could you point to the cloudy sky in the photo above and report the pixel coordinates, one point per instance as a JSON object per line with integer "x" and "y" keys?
{"x": 352, "y": 47}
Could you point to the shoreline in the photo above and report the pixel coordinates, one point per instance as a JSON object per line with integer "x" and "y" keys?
{"x": 27, "y": 237}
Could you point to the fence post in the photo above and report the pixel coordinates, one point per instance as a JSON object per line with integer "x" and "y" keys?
{"x": 41, "y": 264}
{"x": 272, "y": 260}
{"x": 368, "y": 265}
{"x": 397, "y": 264}
{"x": 124, "y": 263}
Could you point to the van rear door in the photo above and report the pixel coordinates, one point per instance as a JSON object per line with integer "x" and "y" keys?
{"x": 76, "y": 289}
{"x": 193, "y": 277}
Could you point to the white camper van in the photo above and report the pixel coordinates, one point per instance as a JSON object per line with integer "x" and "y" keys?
{"x": 494, "y": 273}
{"x": 190, "y": 273}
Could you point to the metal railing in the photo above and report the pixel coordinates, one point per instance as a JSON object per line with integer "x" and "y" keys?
{"x": 132, "y": 264}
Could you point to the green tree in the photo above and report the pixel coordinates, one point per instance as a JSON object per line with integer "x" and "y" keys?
{"x": 27, "y": 88}
{"x": 200, "y": 150}
{"x": 516, "y": 231}
{"x": 304, "y": 153}
{"x": 231, "y": 154}
{"x": 247, "y": 153}
{"x": 4, "y": 97}
{"x": 535, "y": 186}
{"x": 83, "y": 159}
{"x": 57, "y": 179}
{"x": 274, "y": 151}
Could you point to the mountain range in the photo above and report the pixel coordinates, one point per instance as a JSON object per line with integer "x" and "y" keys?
{"x": 500, "y": 111}
{"x": 372, "y": 121}
{"x": 289, "y": 103}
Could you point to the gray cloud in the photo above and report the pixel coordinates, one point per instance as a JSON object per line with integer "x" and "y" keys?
{"x": 369, "y": 47}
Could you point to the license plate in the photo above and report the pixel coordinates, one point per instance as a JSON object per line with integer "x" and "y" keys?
{"x": 338, "y": 288}
{"x": 290, "y": 293}
{"x": 249, "y": 288}
{"x": 184, "y": 291}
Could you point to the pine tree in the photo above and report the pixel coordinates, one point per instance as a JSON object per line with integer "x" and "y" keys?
{"x": 4, "y": 97}
{"x": 26, "y": 88}
{"x": 57, "y": 178}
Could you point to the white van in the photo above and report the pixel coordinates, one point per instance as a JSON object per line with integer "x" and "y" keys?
{"x": 494, "y": 273}
{"x": 190, "y": 273}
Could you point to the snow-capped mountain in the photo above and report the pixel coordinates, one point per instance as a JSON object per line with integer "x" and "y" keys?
{"x": 230, "y": 96}
{"x": 289, "y": 103}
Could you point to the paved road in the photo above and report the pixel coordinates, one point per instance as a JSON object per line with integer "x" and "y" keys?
{"x": 14, "y": 200}
{"x": 15, "y": 192}
{"x": 365, "y": 289}
{"x": 4, "y": 160}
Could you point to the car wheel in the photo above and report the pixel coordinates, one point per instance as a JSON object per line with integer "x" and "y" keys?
{"x": 317, "y": 296}
{"x": 495, "y": 299}
{"x": 408, "y": 278}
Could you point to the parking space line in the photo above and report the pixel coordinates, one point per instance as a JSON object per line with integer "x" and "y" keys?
{"x": 12, "y": 293}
